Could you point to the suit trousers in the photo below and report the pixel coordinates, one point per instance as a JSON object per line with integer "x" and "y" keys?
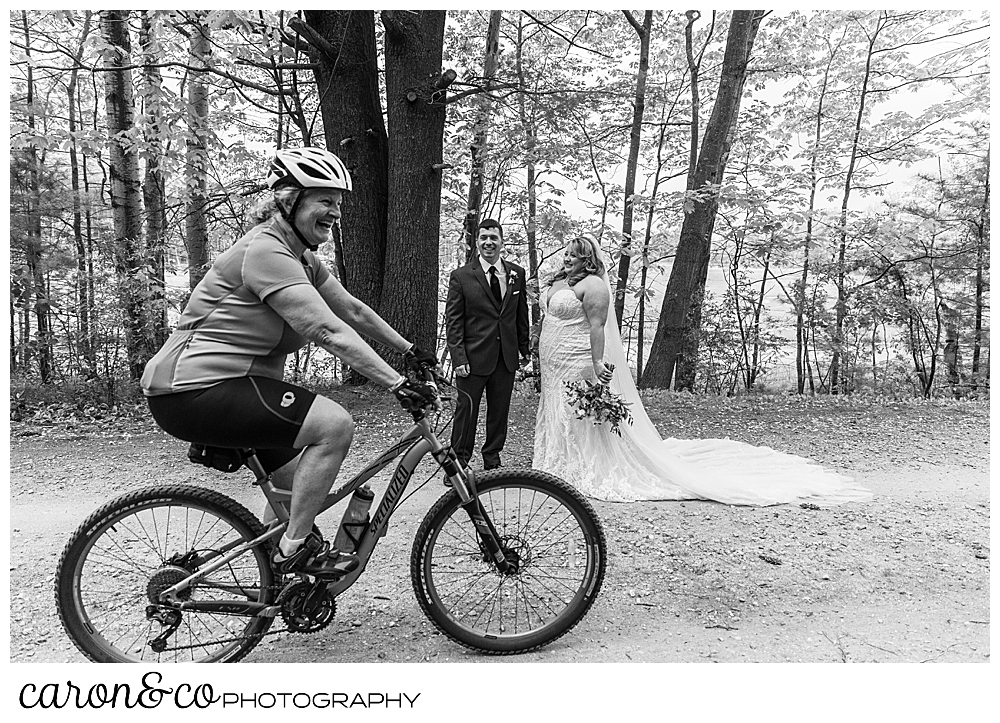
{"x": 498, "y": 387}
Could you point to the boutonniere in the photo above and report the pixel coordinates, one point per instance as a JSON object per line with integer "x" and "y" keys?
{"x": 511, "y": 276}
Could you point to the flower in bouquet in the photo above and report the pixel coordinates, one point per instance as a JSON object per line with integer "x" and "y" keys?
{"x": 598, "y": 402}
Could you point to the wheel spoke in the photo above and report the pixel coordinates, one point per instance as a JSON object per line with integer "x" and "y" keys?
{"x": 543, "y": 529}
{"x": 136, "y": 549}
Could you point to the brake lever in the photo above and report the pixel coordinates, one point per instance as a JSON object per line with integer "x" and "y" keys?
{"x": 431, "y": 378}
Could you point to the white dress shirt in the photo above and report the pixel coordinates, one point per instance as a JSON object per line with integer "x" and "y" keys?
{"x": 501, "y": 274}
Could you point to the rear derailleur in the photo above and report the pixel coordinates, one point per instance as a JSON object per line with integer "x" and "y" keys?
{"x": 169, "y": 619}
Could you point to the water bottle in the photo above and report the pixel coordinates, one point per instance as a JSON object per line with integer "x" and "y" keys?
{"x": 355, "y": 520}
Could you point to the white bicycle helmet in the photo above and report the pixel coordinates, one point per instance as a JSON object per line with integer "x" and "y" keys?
{"x": 308, "y": 168}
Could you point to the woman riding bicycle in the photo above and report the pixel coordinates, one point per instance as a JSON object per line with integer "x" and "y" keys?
{"x": 217, "y": 381}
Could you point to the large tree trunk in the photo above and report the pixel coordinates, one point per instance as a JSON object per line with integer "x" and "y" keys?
{"x": 196, "y": 161}
{"x": 126, "y": 200}
{"x": 674, "y": 352}
{"x": 343, "y": 46}
{"x": 481, "y": 136}
{"x": 153, "y": 185}
{"x": 633, "y": 157}
{"x": 415, "y": 99}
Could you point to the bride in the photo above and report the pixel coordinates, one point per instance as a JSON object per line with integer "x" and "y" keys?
{"x": 579, "y": 335}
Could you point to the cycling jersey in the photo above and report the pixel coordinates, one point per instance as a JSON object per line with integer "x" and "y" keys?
{"x": 227, "y": 329}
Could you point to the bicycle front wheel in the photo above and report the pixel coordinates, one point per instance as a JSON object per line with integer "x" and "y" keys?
{"x": 126, "y": 553}
{"x": 552, "y": 533}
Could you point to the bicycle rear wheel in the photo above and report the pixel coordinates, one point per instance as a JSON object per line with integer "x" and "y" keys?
{"x": 547, "y": 527}
{"x": 134, "y": 547}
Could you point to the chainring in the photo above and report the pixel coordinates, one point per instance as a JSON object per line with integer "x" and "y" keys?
{"x": 307, "y": 607}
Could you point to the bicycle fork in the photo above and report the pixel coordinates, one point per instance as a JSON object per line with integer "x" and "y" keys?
{"x": 464, "y": 483}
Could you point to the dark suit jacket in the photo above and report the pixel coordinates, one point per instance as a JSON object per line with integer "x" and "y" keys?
{"x": 480, "y": 331}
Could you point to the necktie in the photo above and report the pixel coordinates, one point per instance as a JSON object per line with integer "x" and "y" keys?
{"x": 495, "y": 284}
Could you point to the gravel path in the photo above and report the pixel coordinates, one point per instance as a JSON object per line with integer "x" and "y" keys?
{"x": 903, "y": 578}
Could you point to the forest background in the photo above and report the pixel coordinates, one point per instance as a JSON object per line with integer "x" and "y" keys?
{"x": 791, "y": 201}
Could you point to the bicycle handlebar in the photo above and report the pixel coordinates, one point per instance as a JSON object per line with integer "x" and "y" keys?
{"x": 430, "y": 376}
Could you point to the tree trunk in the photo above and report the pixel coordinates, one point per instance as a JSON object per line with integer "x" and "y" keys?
{"x": 126, "y": 200}
{"x": 801, "y": 334}
{"x": 196, "y": 160}
{"x": 84, "y": 300}
{"x": 633, "y": 158}
{"x": 951, "y": 348}
{"x": 88, "y": 230}
{"x": 153, "y": 185}
{"x": 982, "y": 243}
{"x": 841, "y": 276}
{"x": 481, "y": 136}
{"x": 675, "y": 346}
{"x": 530, "y": 139}
{"x": 734, "y": 275}
{"x": 758, "y": 310}
{"x": 694, "y": 70}
{"x": 344, "y": 48}
{"x": 415, "y": 104}
{"x": 643, "y": 274}
{"x": 33, "y": 240}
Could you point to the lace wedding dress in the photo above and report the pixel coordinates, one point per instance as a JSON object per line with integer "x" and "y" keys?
{"x": 639, "y": 465}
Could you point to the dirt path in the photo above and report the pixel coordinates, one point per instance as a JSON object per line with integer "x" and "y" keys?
{"x": 903, "y": 578}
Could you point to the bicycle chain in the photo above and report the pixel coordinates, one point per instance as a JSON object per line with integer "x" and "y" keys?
{"x": 278, "y": 589}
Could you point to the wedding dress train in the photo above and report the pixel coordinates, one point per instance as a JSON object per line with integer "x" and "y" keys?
{"x": 639, "y": 465}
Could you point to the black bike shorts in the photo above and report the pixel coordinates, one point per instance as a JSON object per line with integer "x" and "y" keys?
{"x": 258, "y": 412}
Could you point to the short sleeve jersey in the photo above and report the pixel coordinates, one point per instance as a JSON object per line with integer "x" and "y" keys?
{"x": 227, "y": 329}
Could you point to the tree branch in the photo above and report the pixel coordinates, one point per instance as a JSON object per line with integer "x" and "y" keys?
{"x": 571, "y": 42}
{"x": 314, "y": 39}
{"x": 277, "y": 66}
{"x": 636, "y": 25}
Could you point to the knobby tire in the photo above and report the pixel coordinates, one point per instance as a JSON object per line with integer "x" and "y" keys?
{"x": 555, "y": 535}
{"x": 117, "y": 559}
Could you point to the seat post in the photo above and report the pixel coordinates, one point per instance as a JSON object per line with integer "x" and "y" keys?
{"x": 279, "y": 500}
{"x": 253, "y": 464}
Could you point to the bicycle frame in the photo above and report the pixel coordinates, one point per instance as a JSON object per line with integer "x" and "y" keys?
{"x": 413, "y": 445}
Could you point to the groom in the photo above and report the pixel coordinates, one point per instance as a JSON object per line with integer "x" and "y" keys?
{"x": 487, "y": 323}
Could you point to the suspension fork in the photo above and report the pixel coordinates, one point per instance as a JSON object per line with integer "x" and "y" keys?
{"x": 488, "y": 536}
{"x": 464, "y": 483}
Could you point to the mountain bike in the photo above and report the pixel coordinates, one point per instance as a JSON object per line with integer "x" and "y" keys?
{"x": 506, "y": 561}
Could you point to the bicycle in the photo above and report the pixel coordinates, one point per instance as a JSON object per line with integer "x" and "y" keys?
{"x": 182, "y": 573}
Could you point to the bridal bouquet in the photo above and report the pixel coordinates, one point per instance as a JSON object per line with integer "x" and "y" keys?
{"x": 597, "y": 401}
